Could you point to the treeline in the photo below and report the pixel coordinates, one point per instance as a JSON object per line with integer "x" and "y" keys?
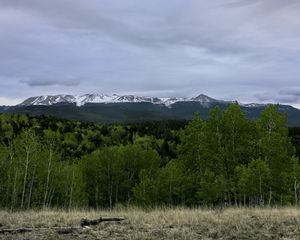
{"x": 226, "y": 159}
{"x": 42, "y": 159}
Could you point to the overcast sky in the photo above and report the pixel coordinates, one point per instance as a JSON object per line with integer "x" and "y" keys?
{"x": 245, "y": 50}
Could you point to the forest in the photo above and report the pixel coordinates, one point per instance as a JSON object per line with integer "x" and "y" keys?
{"x": 226, "y": 160}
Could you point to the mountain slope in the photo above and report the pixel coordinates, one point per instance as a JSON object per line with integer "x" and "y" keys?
{"x": 81, "y": 100}
{"x": 130, "y": 108}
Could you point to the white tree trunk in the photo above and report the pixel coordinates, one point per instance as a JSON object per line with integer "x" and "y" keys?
{"x": 25, "y": 178}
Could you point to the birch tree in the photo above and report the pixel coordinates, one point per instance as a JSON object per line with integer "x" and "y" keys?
{"x": 27, "y": 146}
{"x": 276, "y": 149}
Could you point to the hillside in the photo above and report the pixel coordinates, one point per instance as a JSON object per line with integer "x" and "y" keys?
{"x": 140, "y": 111}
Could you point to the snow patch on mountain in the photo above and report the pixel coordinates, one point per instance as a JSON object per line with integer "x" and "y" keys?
{"x": 81, "y": 100}
{"x": 252, "y": 105}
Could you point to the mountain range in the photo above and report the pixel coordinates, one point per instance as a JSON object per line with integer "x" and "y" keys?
{"x": 129, "y": 108}
{"x": 81, "y": 100}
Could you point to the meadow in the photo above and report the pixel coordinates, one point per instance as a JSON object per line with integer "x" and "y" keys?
{"x": 174, "y": 223}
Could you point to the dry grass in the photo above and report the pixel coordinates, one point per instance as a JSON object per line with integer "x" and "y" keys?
{"x": 232, "y": 223}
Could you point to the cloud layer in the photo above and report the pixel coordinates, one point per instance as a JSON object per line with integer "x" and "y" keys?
{"x": 229, "y": 49}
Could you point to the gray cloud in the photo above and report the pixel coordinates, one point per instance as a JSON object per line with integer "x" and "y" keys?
{"x": 273, "y": 3}
{"x": 286, "y": 95}
{"x": 231, "y": 49}
{"x": 290, "y": 92}
{"x": 289, "y": 96}
{"x": 50, "y": 82}
{"x": 263, "y": 97}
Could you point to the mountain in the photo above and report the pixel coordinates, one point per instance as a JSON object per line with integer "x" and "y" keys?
{"x": 129, "y": 108}
{"x": 81, "y": 100}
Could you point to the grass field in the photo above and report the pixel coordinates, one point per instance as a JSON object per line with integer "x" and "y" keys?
{"x": 281, "y": 223}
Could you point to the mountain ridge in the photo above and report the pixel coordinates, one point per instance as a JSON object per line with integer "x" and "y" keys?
{"x": 81, "y": 100}
{"x": 104, "y": 108}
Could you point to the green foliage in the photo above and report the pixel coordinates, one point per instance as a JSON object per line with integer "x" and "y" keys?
{"x": 254, "y": 181}
{"x": 276, "y": 149}
{"x": 211, "y": 188}
{"x": 165, "y": 186}
{"x": 224, "y": 160}
{"x": 219, "y": 154}
{"x": 112, "y": 172}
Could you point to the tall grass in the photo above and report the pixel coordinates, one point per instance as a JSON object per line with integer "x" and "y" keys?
{"x": 162, "y": 223}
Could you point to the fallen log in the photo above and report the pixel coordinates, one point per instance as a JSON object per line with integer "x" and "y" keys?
{"x": 60, "y": 230}
{"x": 17, "y": 230}
{"x": 86, "y": 222}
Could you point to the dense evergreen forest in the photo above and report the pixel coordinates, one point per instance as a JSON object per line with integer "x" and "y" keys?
{"x": 225, "y": 160}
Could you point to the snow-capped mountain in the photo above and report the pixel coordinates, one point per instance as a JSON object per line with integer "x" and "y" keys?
{"x": 110, "y": 109}
{"x": 252, "y": 105}
{"x": 81, "y": 100}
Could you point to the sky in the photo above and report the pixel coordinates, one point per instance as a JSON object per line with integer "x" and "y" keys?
{"x": 244, "y": 50}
